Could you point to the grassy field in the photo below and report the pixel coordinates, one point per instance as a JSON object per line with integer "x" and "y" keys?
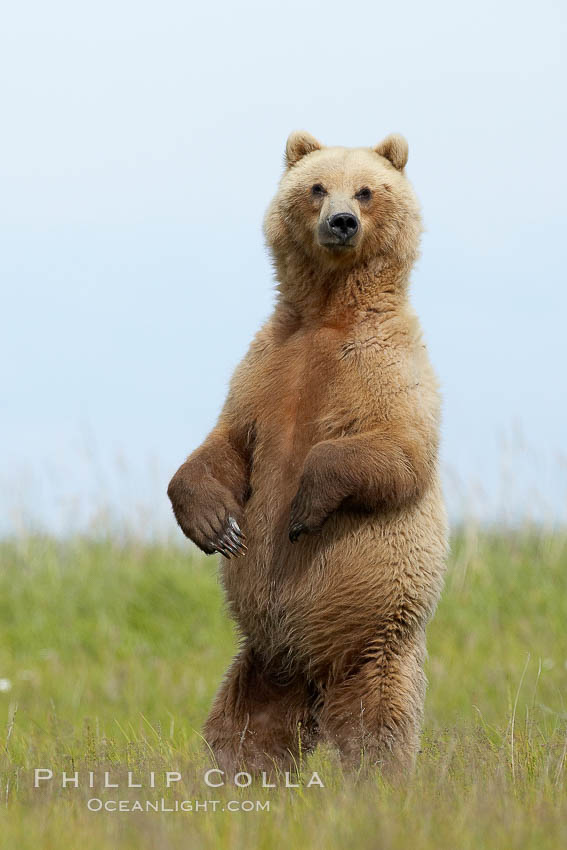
{"x": 110, "y": 654}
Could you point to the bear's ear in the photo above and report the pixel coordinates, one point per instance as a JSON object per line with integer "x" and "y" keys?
{"x": 395, "y": 149}
{"x": 299, "y": 144}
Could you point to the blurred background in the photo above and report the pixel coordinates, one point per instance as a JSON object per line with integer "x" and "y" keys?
{"x": 140, "y": 145}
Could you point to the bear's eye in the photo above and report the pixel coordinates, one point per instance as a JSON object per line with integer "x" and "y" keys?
{"x": 318, "y": 190}
{"x": 363, "y": 194}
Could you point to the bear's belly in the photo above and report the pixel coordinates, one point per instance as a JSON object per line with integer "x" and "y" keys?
{"x": 327, "y": 598}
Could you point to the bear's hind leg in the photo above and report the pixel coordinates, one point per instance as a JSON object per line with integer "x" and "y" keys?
{"x": 259, "y": 720}
{"x": 373, "y": 715}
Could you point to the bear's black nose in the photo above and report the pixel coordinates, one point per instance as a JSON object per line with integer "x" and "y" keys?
{"x": 343, "y": 225}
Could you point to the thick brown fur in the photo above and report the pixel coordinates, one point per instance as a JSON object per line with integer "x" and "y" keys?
{"x": 330, "y": 433}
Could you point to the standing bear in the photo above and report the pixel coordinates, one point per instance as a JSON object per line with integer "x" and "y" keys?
{"x": 319, "y": 484}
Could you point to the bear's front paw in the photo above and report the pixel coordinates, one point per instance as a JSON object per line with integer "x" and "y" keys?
{"x": 308, "y": 511}
{"x": 207, "y": 514}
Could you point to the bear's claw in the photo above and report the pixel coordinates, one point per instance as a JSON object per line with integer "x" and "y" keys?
{"x": 295, "y": 530}
{"x": 231, "y": 542}
{"x": 235, "y": 527}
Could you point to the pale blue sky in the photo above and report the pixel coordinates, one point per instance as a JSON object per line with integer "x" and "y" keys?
{"x": 140, "y": 145}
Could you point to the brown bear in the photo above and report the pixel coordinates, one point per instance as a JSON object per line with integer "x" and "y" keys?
{"x": 319, "y": 484}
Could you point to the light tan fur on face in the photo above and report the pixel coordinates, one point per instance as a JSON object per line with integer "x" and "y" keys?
{"x": 328, "y": 437}
{"x": 391, "y": 223}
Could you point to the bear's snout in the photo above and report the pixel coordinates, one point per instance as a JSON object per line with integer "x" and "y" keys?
{"x": 343, "y": 225}
{"x": 338, "y": 230}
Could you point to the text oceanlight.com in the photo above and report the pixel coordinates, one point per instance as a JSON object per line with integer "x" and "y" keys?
{"x": 95, "y": 804}
{"x": 161, "y": 781}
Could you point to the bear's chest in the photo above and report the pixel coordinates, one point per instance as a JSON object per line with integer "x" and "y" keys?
{"x": 300, "y": 392}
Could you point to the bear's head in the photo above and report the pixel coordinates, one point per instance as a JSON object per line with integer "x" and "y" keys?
{"x": 337, "y": 207}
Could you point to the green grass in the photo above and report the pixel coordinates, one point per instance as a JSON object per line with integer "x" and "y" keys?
{"x": 112, "y": 654}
